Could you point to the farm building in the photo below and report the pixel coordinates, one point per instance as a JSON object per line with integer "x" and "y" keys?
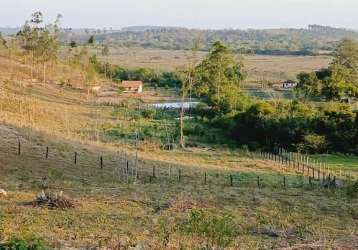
{"x": 132, "y": 86}
{"x": 289, "y": 84}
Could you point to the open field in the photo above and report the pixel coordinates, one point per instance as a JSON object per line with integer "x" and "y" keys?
{"x": 259, "y": 68}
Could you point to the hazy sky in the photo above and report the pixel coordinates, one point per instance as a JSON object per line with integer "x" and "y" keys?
{"x": 188, "y": 13}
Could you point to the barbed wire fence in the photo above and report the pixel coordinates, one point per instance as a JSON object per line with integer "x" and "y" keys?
{"x": 300, "y": 170}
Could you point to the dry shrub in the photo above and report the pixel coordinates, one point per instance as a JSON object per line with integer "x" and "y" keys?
{"x": 52, "y": 201}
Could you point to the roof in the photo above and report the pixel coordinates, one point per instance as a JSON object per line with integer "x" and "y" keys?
{"x": 289, "y": 81}
{"x": 131, "y": 84}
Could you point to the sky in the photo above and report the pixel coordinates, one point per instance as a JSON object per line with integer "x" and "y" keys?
{"x": 206, "y": 14}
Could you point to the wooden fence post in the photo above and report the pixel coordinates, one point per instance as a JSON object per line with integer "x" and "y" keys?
{"x": 136, "y": 165}
{"x": 154, "y": 172}
{"x": 205, "y": 178}
{"x": 75, "y": 158}
{"x": 101, "y": 161}
{"x": 46, "y": 152}
{"x": 334, "y": 181}
{"x": 284, "y": 181}
{"x": 127, "y": 167}
{"x": 19, "y": 148}
{"x": 231, "y": 181}
{"x": 179, "y": 175}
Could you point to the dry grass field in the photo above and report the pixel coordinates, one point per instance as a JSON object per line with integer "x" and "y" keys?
{"x": 259, "y": 68}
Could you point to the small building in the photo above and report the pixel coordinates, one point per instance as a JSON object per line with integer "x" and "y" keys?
{"x": 289, "y": 84}
{"x": 132, "y": 86}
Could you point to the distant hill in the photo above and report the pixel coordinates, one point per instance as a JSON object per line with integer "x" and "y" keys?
{"x": 314, "y": 39}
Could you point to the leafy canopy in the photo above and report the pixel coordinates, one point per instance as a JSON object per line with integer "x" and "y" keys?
{"x": 218, "y": 78}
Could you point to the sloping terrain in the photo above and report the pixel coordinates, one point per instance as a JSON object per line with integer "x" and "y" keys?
{"x": 145, "y": 198}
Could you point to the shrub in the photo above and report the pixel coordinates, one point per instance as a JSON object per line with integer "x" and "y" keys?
{"x": 218, "y": 229}
{"x": 313, "y": 143}
{"x": 352, "y": 190}
{"x": 148, "y": 113}
{"x": 29, "y": 243}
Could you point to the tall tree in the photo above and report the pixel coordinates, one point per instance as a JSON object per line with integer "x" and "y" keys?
{"x": 308, "y": 85}
{"x": 343, "y": 81}
{"x": 339, "y": 80}
{"x": 218, "y": 78}
{"x": 91, "y": 40}
{"x": 40, "y": 41}
{"x": 48, "y": 45}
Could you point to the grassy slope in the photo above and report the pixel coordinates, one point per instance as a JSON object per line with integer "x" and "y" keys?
{"x": 109, "y": 211}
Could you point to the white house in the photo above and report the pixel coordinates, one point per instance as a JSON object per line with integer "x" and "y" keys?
{"x": 289, "y": 84}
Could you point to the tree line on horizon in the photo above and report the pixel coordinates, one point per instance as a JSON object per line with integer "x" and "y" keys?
{"x": 313, "y": 40}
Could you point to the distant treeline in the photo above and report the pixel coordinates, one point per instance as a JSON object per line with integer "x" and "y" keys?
{"x": 312, "y": 40}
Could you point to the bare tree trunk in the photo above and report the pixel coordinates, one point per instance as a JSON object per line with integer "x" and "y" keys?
{"x": 182, "y": 144}
{"x": 182, "y": 113}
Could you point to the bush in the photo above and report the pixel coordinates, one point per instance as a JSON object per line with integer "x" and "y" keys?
{"x": 297, "y": 126}
{"x": 313, "y": 143}
{"x": 29, "y": 243}
{"x": 218, "y": 229}
{"x": 149, "y": 113}
{"x": 352, "y": 190}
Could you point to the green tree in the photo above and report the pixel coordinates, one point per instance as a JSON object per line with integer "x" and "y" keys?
{"x": 339, "y": 80}
{"x": 308, "y": 85}
{"x": 218, "y": 77}
{"x": 48, "y": 45}
{"x": 73, "y": 44}
{"x": 91, "y": 40}
{"x": 40, "y": 41}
